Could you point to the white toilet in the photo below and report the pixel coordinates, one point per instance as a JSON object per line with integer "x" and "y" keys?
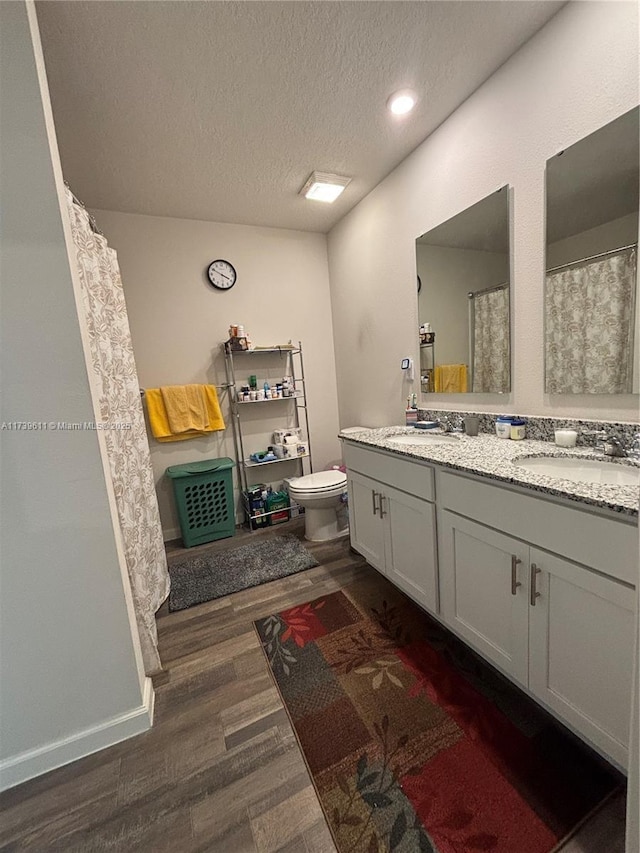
{"x": 321, "y": 496}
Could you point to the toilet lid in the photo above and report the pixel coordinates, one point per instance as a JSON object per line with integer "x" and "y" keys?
{"x": 320, "y": 482}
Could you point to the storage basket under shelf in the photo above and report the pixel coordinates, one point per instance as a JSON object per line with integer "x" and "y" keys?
{"x": 204, "y": 499}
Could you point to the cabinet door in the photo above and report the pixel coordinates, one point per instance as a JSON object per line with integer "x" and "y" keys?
{"x": 365, "y": 525}
{"x": 483, "y": 591}
{"x": 581, "y": 642}
{"x": 411, "y": 550}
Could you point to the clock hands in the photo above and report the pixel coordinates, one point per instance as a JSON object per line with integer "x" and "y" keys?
{"x": 228, "y": 277}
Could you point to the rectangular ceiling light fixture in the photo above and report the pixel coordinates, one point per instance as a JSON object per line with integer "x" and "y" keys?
{"x": 322, "y": 186}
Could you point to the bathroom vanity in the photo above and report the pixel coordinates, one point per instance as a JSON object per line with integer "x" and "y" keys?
{"x": 537, "y": 574}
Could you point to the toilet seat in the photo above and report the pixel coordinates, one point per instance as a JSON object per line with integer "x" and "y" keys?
{"x": 322, "y": 483}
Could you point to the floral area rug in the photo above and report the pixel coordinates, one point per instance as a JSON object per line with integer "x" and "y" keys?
{"x": 414, "y": 744}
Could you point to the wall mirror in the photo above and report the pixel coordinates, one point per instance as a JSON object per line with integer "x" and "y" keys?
{"x": 463, "y": 300}
{"x": 590, "y": 305}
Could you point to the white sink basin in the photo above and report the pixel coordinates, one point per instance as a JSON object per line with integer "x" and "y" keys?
{"x": 582, "y": 470}
{"x": 423, "y": 440}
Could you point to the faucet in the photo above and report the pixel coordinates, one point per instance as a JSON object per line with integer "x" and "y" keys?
{"x": 613, "y": 445}
{"x": 451, "y": 425}
{"x": 633, "y": 452}
{"x": 599, "y": 437}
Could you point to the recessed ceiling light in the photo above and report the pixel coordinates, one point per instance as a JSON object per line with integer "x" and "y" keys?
{"x": 322, "y": 186}
{"x": 402, "y": 102}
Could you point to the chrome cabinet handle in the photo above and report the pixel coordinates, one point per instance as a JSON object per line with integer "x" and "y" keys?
{"x": 535, "y": 571}
{"x": 382, "y": 512}
{"x": 373, "y": 498}
{"x": 515, "y": 583}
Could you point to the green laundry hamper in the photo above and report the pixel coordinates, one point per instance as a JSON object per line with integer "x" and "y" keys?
{"x": 204, "y": 498}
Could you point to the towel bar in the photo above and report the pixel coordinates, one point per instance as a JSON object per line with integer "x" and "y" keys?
{"x": 217, "y": 387}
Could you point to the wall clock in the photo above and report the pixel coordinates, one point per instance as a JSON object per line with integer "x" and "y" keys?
{"x": 221, "y": 274}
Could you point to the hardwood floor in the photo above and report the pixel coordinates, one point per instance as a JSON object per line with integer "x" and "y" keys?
{"x": 221, "y": 770}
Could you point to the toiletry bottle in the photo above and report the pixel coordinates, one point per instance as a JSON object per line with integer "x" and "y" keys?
{"x": 503, "y": 426}
{"x": 518, "y": 429}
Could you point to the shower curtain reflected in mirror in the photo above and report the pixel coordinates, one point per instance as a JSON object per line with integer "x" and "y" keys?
{"x": 589, "y": 318}
{"x": 490, "y": 340}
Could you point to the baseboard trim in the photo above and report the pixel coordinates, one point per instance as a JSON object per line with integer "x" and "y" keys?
{"x": 34, "y": 762}
{"x": 171, "y": 533}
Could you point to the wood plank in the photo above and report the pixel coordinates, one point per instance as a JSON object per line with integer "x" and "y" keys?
{"x": 39, "y": 820}
{"x": 250, "y": 710}
{"x": 275, "y": 828}
{"x": 221, "y": 769}
{"x": 251, "y": 663}
{"x": 149, "y": 819}
{"x": 195, "y": 663}
{"x": 295, "y": 783}
{"x": 270, "y": 721}
{"x": 213, "y": 815}
{"x": 318, "y": 838}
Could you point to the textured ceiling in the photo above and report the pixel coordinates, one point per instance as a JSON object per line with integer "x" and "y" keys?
{"x": 220, "y": 110}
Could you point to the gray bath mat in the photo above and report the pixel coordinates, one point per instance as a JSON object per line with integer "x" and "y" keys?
{"x": 210, "y": 576}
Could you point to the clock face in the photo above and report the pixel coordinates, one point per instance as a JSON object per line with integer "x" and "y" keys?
{"x": 221, "y": 274}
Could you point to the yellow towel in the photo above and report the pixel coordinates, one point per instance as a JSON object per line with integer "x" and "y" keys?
{"x": 185, "y": 408}
{"x": 212, "y": 406}
{"x": 159, "y": 418}
{"x": 450, "y": 378}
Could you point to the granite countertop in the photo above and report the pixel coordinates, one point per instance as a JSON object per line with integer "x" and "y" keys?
{"x": 489, "y": 456}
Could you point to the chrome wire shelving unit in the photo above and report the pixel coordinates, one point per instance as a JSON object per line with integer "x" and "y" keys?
{"x": 288, "y": 360}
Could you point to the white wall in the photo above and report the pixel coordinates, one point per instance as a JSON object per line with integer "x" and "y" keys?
{"x": 603, "y": 238}
{"x": 178, "y": 323}
{"x": 447, "y": 276}
{"x": 70, "y": 674}
{"x": 578, "y": 73}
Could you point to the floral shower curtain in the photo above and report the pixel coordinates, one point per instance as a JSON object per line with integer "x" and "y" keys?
{"x": 491, "y": 341}
{"x": 128, "y": 449}
{"x": 589, "y": 316}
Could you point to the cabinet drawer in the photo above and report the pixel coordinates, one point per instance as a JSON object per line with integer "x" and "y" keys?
{"x": 411, "y": 476}
{"x": 605, "y": 544}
